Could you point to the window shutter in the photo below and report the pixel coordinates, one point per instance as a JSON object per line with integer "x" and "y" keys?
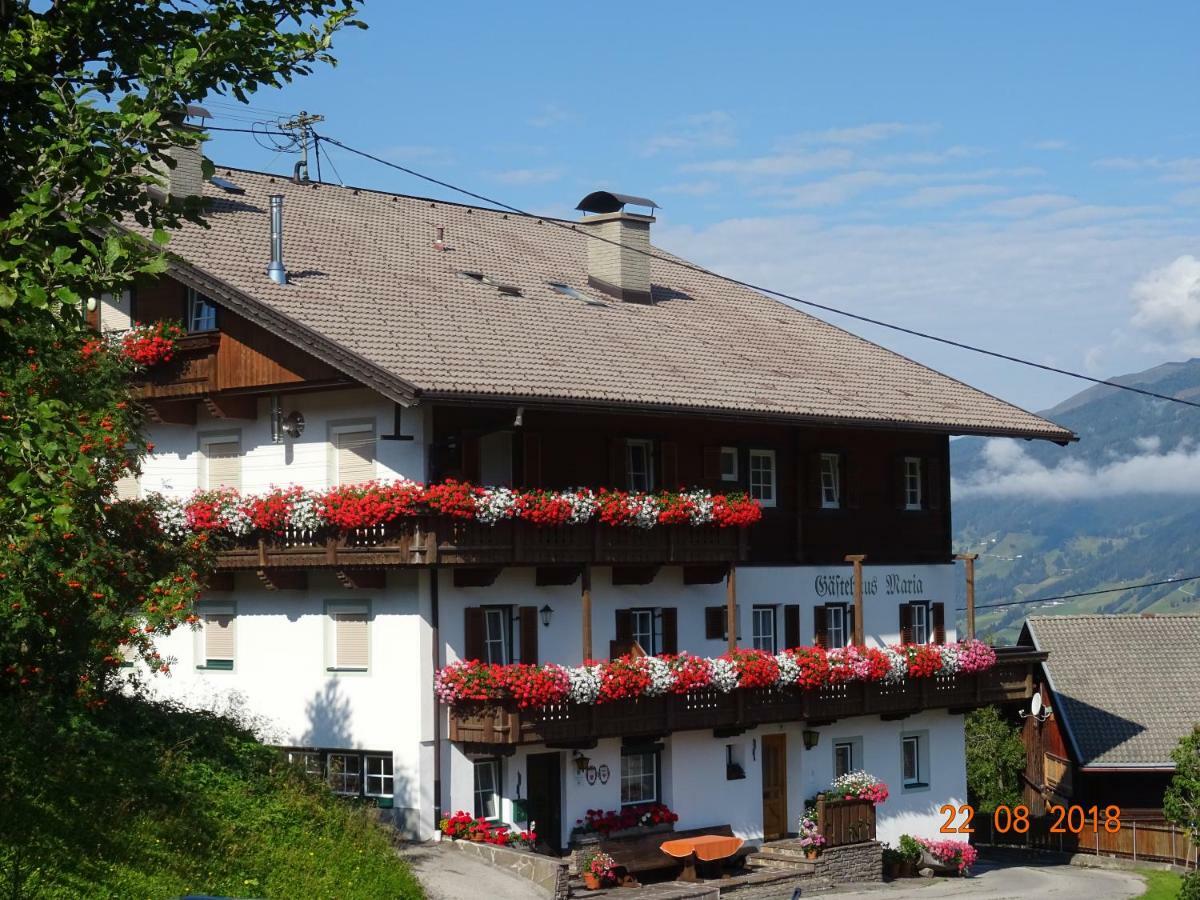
{"x": 624, "y": 626}
{"x": 127, "y": 487}
{"x": 938, "y": 614}
{"x": 473, "y": 632}
{"x": 791, "y": 625}
{"x": 712, "y": 464}
{"x": 899, "y": 482}
{"x": 714, "y": 623}
{"x": 670, "y": 465}
{"x": 820, "y": 627}
{"x": 224, "y": 461}
{"x": 531, "y": 461}
{"x": 933, "y": 483}
{"x": 529, "y": 634}
{"x": 350, "y": 639}
{"x": 617, "y": 477}
{"x": 670, "y": 630}
{"x": 814, "y": 480}
{"x": 905, "y": 623}
{"x": 354, "y": 456}
{"x": 219, "y": 638}
{"x": 470, "y": 459}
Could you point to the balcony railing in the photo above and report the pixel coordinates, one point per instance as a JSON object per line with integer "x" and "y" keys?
{"x": 428, "y": 540}
{"x": 1010, "y": 680}
{"x": 191, "y": 372}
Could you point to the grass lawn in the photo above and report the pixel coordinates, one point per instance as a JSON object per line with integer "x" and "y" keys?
{"x": 150, "y": 801}
{"x": 1160, "y": 885}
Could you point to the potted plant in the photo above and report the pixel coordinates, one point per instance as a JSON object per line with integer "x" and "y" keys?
{"x": 598, "y": 869}
{"x": 910, "y": 855}
{"x": 892, "y": 862}
{"x": 811, "y": 838}
{"x": 947, "y": 857}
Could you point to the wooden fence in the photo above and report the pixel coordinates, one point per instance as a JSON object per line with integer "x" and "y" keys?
{"x": 845, "y": 821}
{"x": 1135, "y": 840}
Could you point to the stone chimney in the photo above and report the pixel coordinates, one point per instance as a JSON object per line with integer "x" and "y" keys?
{"x": 618, "y": 255}
{"x": 186, "y": 179}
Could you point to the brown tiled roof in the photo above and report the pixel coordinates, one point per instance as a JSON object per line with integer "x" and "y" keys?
{"x": 366, "y": 277}
{"x": 1125, "y": 688}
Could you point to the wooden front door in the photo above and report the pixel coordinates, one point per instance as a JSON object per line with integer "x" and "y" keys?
{"x": 545, "y": 798}
{"x": 774, "y": 786}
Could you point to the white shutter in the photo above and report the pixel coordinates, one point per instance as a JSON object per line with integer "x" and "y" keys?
{"x": 350, "y": 636}
{"x": 219, "y": 636}
{"x": 223, "y": 460}
{"x": 354, "y": 456}
{"x": 127, "y": 487}
{"x": 114, "y": 312}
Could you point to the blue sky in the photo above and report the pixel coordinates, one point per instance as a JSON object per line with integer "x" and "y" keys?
{"x": 1025, "y": 176}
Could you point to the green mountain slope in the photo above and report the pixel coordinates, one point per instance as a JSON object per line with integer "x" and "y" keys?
{"x": 1076, "y": 519}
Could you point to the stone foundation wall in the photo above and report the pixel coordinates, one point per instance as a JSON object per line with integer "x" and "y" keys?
{"x": 548, "y": 873}
{"x": 851, "y": 862}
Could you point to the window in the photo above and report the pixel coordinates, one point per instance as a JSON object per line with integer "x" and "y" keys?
{"x": 763, "y": 631}
{"x": 344, "y": 773}
{"x": 843, "y": 758}
{"x": 380, "y": 781}
{"x": 312, "y": 763}
{"x": 914, "y": 760}
{"x": 912, "y": 482}
{"x": 218, "y": 636}
{"x": 221, "y": 462}
{"x": 919, "y": 619}
{"x": 353, "y": 454}
{"x": 349, "y": 636}
{"x": 837, "y": 625}
{"x": 487, "y": 789}
{"x": 202, "y": 312}
{"x": 497, "y": 634}
{"x": 729, "y": 464}
{"x": 646, "y": 629}
{"x": 639, "y": 777}
{"x": 639, "y": 464}
{"x": 831, "y": 481}
{"x": 762, "y": 476}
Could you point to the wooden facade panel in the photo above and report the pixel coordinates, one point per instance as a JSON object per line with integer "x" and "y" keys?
{"x": 159, "y": 299}
{"x": 250, "y": 356}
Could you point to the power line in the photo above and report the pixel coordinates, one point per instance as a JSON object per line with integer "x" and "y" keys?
{"x": 995, "y": 354}
{"x": 1115, "y": 590}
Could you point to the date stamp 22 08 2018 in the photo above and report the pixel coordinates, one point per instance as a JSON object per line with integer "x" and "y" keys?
{"x": 1063, "y": 819}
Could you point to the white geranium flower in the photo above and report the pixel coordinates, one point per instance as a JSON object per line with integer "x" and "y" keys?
{"x": 662, "y": 679}
{"x": 724, "y": 675}
{"x": 585, "y": 684}
{"x": 494, "y": 504}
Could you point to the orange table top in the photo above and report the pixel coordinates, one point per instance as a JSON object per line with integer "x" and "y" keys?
{"x": 707, "y": 847}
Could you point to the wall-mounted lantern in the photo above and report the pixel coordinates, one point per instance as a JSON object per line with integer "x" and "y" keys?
{"x": 810, "y": 738}
{"x": 546, "y": 613}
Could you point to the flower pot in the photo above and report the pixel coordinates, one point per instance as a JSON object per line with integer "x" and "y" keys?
{"x": 811, "y": 852}
{"x": 477, "y": 838}
{"x": 591, "y": 882}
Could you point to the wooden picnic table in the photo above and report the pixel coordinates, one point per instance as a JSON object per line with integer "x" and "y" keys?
{"x": 702, "y": 848}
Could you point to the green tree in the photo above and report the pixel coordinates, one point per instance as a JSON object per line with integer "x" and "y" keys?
{"x": 995, "y": 760}
{"x": 1181, "y": 803}
{"x": 92, "y": 98}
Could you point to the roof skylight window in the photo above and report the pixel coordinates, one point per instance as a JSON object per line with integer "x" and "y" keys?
{"x": 567, "y": 291}
{"x": 508, "y": 290}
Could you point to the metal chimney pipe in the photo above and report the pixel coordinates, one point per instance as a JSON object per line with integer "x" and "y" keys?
{"x": 275, "y": 271}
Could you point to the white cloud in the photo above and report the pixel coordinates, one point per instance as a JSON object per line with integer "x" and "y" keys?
{"x": 1150, "y": 443}
{"x": 1186, "y": 168}
{"x": 695, "y": 132}
{"x": 529, "y": 176}
{"x": 1009, "y": 471}
{"x": 836, "y": 189}
{"x": 1167, "y": 299}
{"x": 1049, "y": 144}
{"x": 860, "y": 134}
{"x": 942, "y": 195}
{"x": 925, "y": 157}
{"x": 1029, "y": 204}
{"x": 779, "y": 164}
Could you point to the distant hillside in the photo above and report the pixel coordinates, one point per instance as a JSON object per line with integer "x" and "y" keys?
{"x": 1119, "y": 506}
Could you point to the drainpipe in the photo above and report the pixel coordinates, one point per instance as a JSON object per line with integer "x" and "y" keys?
{"x": 437, "y": 709}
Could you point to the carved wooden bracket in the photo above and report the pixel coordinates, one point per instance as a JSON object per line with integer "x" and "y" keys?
{"x": 172, "y": 412}
{"x": 238, "y": 406}
{"x": 550, "y": 576}
{"x": 283, "y": 579}
{"x": 634, "y": 574}
{"x": 710, "y": 574}
{"x": 476, "y": 577}
{"x": 362, "y": 579}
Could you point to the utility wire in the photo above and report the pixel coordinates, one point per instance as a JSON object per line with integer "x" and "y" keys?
{"x": 1114, "y": 590}
{"x": 765, "y": 290}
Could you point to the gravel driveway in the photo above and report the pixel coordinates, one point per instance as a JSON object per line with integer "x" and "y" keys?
{"x": 449, "y": 874}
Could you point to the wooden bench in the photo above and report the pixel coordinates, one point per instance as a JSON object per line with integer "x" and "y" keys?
{"x": 641, "y": 853}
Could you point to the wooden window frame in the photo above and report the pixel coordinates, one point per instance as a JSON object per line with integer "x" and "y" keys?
{"x": 654, "y": 647}
{"x": 848, "y": 745}
{"x": 723, "y": 454}
{"x": 351, "y": 607}
{"x": 656, "y": 756}
{"x": 382, "y": 777}
{"x": 193, "y": 299}
{"x": 315, "y": 762}
{"x": 926, "y": 623}
{"x": 647, "y": 446}
{"x": 750, "y": 486}
{"x": 914, "y": 486}
{"x": 505, "y": 613}
{"x": 843, "y": 611}
{"x": 496, "y": 764}
{"x": 835, "y": 460}
{"x": 754, "y": 620}
{"x": 919, "y": 740}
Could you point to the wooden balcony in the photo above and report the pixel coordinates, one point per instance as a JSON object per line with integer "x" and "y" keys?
{"x": 571, "y": 725}
{"x": 191, "y": 373}
{"x": 424, "y": 541}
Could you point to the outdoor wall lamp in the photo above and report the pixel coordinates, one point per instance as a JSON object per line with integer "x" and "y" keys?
{"x": 546, "y": 613}
{"x": 810, "y": 738}
{"x": 582, "y": 763}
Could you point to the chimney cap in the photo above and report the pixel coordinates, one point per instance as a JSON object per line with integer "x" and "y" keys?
{"x": 610, "y": 202}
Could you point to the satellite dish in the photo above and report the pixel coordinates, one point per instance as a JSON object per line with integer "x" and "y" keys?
{"x": 1035, "y": 705}
{"x": 293, "y": 424}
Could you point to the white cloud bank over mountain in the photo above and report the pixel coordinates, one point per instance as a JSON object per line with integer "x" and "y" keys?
{"x": 1009, "y": 471}
{"x": 1167, "y": 300}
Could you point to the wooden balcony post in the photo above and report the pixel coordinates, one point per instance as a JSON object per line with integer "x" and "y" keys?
{"x": 857, "y": 559}
{"x": 586, "y": 610}
{"x": 969, "y": 560}
{"x": 731, "y": 606}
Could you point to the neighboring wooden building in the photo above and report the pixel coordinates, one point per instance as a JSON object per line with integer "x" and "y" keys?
{"x": 1122, "y": 691}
